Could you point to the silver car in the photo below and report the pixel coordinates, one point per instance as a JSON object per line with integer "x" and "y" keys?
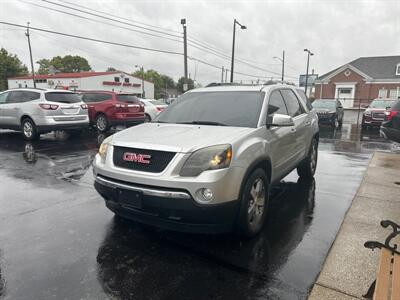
{"x": 36, "y": 111}
{"x": 206, "y": 164}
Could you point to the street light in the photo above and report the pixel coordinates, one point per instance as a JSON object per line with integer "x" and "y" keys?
{"x": 142, "y": 71}
{"x": 233, "y": 44}
{"x": 309, "y": 53}
{"x": 283, "y": 63}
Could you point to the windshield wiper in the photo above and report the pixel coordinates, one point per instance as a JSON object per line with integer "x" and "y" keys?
{"x": 203, "y": 123}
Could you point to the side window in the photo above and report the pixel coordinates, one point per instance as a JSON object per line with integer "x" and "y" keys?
{"x": 304, "y": 99}
{"x": 102, "y": 97}
{"x": 15, "y": 97}
{"x": 29, "y": 96}
{"x": 3, "y": 97}
{"x": 292, "y": 103}
{"x": 276, "y": 105}
{"x": 87, "y": 98}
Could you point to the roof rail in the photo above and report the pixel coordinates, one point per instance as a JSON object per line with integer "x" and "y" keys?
{"x": 28, "y": 88}
{"x": 269, "y": 82}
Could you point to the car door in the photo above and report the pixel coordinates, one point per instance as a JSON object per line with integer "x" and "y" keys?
{"x": 3, "y": 99}
{"x": 301, "y": 131}
{"x": 281, "y": 138}
{"x": 10, "y": 109}
{"x": 88, "y": 98}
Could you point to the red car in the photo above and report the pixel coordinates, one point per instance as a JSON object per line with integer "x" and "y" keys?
{"x": 375, "y": 113}
{"x": 108, "y": 109}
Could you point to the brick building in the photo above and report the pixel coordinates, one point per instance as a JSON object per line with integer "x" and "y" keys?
{"x": 361, "y": 81}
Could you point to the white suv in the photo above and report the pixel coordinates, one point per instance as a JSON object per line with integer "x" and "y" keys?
{"x": 207, "y": 162}
{"x": 36, "y": 111}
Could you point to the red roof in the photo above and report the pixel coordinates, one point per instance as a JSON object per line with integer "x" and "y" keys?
{"x": 64, "y": 75}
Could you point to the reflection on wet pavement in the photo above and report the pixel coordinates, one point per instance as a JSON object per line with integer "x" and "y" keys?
{"x": 57, "y": 239}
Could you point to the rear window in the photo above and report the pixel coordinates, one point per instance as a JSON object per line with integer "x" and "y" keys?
{"x": 128, "y": 98}
{"x": 62, "y": 97}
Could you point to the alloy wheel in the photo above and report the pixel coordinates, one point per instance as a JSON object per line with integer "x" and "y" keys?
{"x": 28, "y": 129}
{"x": 256, "y": 203}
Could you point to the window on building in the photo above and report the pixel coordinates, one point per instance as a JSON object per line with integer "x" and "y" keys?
{"x": 345, "y": 91}
{"x": 126, "y": 80}
{"x": 40, "y": 80}
{"x": 382, "y": 93}
{"x": 116, "y": 79}
{"x": 398, "y": 69}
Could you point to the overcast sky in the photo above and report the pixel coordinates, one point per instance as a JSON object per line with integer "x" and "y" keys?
{"x": 336, "y": 31}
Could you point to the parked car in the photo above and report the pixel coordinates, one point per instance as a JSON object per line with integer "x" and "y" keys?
{"x": 329, "y": 111}
{"x": 152, "y": 108}
{"x": 390, "y": 128}
{"x": 108, "y": 109}
{"x": 36, "y": 111}
{"x": 375, "y": 113}
{"x": 206, "y": 163}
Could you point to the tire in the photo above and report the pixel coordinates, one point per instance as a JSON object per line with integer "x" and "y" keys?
{"x": 308, "y": 166}
{"x": 251, "y": 220}
{"x": 147, "y": 118}
{"x": 102, "y": 123}
{"x": 29, "y": 129}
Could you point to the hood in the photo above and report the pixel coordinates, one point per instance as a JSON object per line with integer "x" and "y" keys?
{"x": 375, "y": 109}
{"x": 177, "y": 137}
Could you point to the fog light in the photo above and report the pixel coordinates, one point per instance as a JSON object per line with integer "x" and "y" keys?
{"x": 207, "y": 194}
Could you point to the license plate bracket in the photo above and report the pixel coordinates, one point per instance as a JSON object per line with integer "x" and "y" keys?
{"x": 130, "y": 198}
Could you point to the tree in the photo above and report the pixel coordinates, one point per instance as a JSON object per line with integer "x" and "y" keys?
{"x": 111, "y": 69}
{"x": 160, "y": 81}
{"x": 180, "y": 83}
{"x": 66, "y": 64}
{"x": 10, "y": 66}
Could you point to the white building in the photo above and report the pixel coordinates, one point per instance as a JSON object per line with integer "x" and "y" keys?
{"x": 83, "y": 81}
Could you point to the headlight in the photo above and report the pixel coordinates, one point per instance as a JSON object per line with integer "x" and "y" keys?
{"x": 103, "y": 149}
{"x": 210, "y": 158}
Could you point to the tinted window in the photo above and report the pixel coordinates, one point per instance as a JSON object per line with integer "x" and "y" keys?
{"x": 16, "y": 97}
{"x": 62, "y": 97}
{"x": 241, "y": 109}
{"x": 3, "y": 97}
{"x": 292, "y": 103}
{"x": 96, "y": 97}
{"x": 127, "y": 98}
{"x": 304, "y": 99}
{"x": 276, "y": 105}
{"x": 328, "y": 104}
{"x": 381, "y": 103}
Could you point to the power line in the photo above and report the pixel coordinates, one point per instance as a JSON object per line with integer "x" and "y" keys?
{"x": 99, "y": 21}
{"x": 93, "y": 39}
{"x": 126, "y": 19}
{"x": 111, "y": 19}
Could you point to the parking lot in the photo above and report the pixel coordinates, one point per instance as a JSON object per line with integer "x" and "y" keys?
{"x": 57, "y": 239}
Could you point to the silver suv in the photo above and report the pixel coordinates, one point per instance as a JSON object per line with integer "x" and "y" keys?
{"x": 36, "y": 111}
{"x": 206, "y": 164}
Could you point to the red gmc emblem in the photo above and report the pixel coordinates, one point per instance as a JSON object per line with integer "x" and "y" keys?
{"x": 137, "y": 158}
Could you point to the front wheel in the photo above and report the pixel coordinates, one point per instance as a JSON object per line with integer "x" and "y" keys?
{"x": 29, "y": 129}
{"x": 253, "y": 204}
{"x": 307, "y": 168}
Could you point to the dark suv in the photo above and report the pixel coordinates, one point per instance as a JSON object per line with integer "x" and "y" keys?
{"x": 390, "y": 128}
{"x": 108, "y": 109}
{"x": 329, "y": 111}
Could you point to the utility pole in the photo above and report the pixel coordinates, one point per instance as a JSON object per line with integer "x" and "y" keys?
{"x": 226, "y": 75}
{"x": 233, "y": 44}
{"x": 222, "y": 75}
{"x": 283, "y": 65}
{"x": 183, "y": 22}
{"x": 309, "y": 53}
{"x": 30, "y": 53}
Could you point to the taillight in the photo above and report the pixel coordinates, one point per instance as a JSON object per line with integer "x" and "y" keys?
{"x": 83, "y": 106}
{"x": 48, "y": 106}
{"x": 390, "y": 114}
{"x": 160, "y": 108}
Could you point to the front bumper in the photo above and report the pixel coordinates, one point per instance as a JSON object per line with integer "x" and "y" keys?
{"x": 326, "y": 118}
{"x": 166, "y": 208}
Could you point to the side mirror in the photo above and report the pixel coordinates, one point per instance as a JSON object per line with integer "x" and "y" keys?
{"x": 281, "y": 120}
{"x": 364, "y": 106}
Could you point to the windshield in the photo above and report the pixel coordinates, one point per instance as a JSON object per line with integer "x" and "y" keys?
{"x": 324, "y": 104}
{"x": 62, "y": 97}
{"x": 239, "y": 109}
{"x": 381, "y": 104}
{"x": 127, "y": 98}
{"x": 156, "y": 102}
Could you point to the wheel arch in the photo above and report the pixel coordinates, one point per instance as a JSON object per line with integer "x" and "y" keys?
{"x": 26, "y": 116}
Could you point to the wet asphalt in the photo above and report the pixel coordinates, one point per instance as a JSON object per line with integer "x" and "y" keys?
{"x": 58, "y": 241}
